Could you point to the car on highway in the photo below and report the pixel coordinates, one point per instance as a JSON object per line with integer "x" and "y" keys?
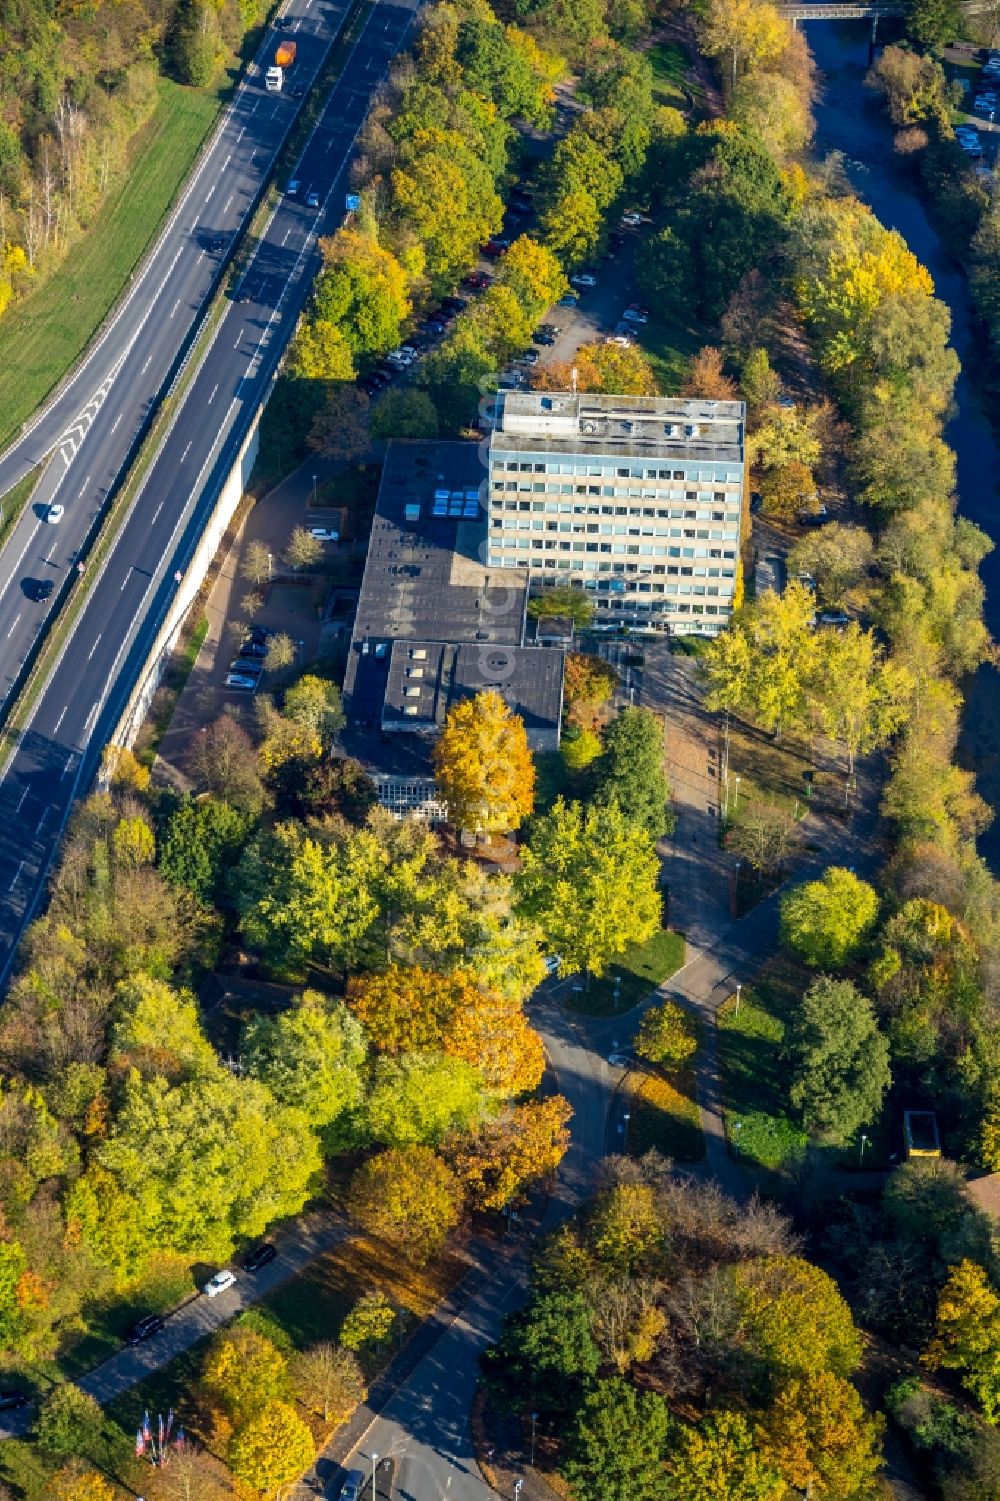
{"x": 585, "y": 279}
{"x": 324, "y": 533}
{"x": 13, "y": 1398}
{"x": 293, "y": 189}
{"x": 220, "y": 1283}
{"x": 55, "y": 513}
{"x": 312, "y": 198}
{"x": 241, "y": 682}
{"x": 261, "y": 1256}
{"x": 38, "y": 589}
{"x": 145, "y": 1329}
{"x": 284, "y": 22}
{"x": 297, "y": 90}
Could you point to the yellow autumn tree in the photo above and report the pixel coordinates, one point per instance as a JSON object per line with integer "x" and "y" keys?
{"x": 967, "y": 1335}
{"x": 72, "y": 1483}
{"x": 510, "y": 1151}
{"x": 747, "y": 34}
{"x": 483, "y": 766}
{"x": 817, "y": 1435}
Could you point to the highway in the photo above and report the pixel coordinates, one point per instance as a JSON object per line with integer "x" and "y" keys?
{"x": 60, "y": 747}
{"x": 91, "y": 425}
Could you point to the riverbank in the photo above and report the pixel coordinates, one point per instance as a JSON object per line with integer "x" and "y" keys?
{"x": 850, "y": 119}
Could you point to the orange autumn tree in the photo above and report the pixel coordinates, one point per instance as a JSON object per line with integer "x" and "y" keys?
{"x": 498, "y": 1161}
{"x": 483, "y": 766}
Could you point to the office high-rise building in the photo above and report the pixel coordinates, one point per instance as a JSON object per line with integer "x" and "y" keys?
{"x": 636, "y": 499}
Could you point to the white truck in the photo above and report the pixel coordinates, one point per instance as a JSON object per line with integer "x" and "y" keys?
{"x": 284, "y": 60}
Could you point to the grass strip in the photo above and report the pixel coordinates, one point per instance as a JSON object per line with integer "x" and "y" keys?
{"x": 632, "y": 979}
{"x": 13, "y": 504}
{"x": 663, "y": 1116}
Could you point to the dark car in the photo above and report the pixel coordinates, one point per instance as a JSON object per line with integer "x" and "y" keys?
{"x": 478, "y": 280}
{"x": 259, "y": 633}
{"x": 39, "y": 589}
{"x": 454, "y": 304}
{"x": 432, "y": 326}
{"x": 253, "y": 649}
{"x": 543, "y": 336}
{"x": 261, "y": 1256}
{"x": 369, "y": 385}
{"x": 756, "y": 503}
{"x": 283, "y": 22}
{"x": 13, "y": 1398}
{"x": 248, "y": 665}
{"x": 814, "y": 518}
{"x": 144, "y": 1329}
{"x": 216, "y": 243}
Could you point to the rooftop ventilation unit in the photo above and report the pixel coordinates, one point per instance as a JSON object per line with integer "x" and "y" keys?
{"x": 587, "y": 426}
{"x": 411, "y": 512}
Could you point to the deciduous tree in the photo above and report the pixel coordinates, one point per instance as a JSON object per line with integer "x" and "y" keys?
{"x": 667, "y": 1035}
{"x": 408, "y": 1197}
{"x": 617, "y": 1444}
{"x": 244, "y": 1371}
{"x": 589, "y": 879}
{"x": 419, "y": 1097}
{"x": 273, "y": 1447}
{"x": 719, "y": 1458}
{"x": 313, "y": 703}
{"x": 706, "y": 380}
{"x": 510, "y": 1151}
{"x": 819, "y": 1438}
{"x": 967, "y": 1335}
{"x": 824, "y": 922}
{"x": 630, "y": 772}
{"x": 310, "y": 1057}
{"x": 329, "y": 1381}
{"x": 370, "y": 1322}
{"x": 302, "y": 550}
{"x": 69, "y": 1422}
{"x": 483, "y": 765}
{"x": 794, "y": 1319}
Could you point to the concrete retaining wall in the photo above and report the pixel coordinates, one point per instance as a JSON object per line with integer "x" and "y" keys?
{"x": 194, "y": 576}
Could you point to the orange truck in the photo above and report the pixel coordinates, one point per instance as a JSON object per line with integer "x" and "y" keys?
{"x": 284, "y": 59}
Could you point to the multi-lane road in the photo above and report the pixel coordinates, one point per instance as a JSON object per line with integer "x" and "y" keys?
{"x": 87, "y": 690}
{"x": 91, "y": 425}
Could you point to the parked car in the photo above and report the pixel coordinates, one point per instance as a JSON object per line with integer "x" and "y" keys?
{"x": 585, "y": 279}
{"x": 495, "y": 248}
{"x": 527, "y": 357}
{"x": 246, "y": 667}
{"x": 814, "y": 518}
{"x": 324, "y": 533}
{"x": 259, "y": 633}
{"x": 253, "y": 648}
{"x": 632, "y": 218}
{"x": 220, "y": 1283}
{"x": 145, "y": 1329}
{"x": 477, "y": 280}
{"x": 12, "y": 1398}
{"x": 833, "y": 617}
{"x": 433, "y": 326}
{"x": 635, "y": 315}
{"x": 454, "y": 304}
{"x": 241, "y": 682}
{"x": 55, "y": 513}
{"x": 619, "y": 1060}
{"x": 570, "y": 300}
{"x": 543, "y": 336}
{"x": 402, "y": 357}
{"x": 552, "y": 963}
{"x": 260, "y": 1256}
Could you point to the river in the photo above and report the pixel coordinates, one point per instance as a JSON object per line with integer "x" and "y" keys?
{"x": 850, "y": 119}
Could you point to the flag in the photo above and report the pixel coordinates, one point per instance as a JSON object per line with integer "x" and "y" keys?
{"x": 140, "y": 1444}
{"x": 147, "y": 1431}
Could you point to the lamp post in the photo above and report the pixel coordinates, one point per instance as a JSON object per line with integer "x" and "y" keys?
{"x": 737, "y": 1128}
{"x": 861, "y": 1149}
{"x": 626, "y": 1118}
{"x": 314, "y": 490}
{"x": 517, "y": 1488}
{"x": 736, "y": 796}
{"x": 374, "y": 1468}
{"x": 534, "y": 1420}
{"x": 739, "y": 987}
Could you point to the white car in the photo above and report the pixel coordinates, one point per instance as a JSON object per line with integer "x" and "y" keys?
{"x": 55, "y": 514}
{"x": 401, "y": 357}
{"x": 583, "y": 279}
{"x": 240, "y": 682}
{"x": 324, "y": 533}
{"x": 624, "y": 341}
{"x": 632, "y": 218}
{"x": 220, "y": 1283}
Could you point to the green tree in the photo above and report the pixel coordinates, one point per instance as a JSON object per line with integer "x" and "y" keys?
{"x": 545, "y": 1352}
{"x": 589, "y": 879}
{"x": 934, "y": 23}
{"x": 404, "y": 414}
{"x": 69, "y": 1422}
{"x": 198, "y": 47}
{"x": 667, "y": 1035}
{"x": 571, "y": 227}
{"x": 420, "y": 1097}
{"x": 617, "y": 1444}
{"x": 838, "y": 557}
{"x": 273, "y": 1447}
{"x": 362, "y": 291}
{"x": 208, "y": 1160}
{"x": 719, "y": 1458}
{"x": 838, "y": 1058}
{"x": 199, "y": 842}
{"x": 408, "y": 1197}
{"x": 762, "y": 666}
{"x": 314, "y": 704}
{"x": 792, "y": 1319}
{"x": 483, "y": 765}
{"x": 311, "y": 1057}
{"x": 564, "y": 600}
{"x": 825, "y": 922}
{"x": 630, "y": 772}
{"x": 257, "y": 563}
{"x": 860, "y": 697}
{"x": 157, "y": 1030}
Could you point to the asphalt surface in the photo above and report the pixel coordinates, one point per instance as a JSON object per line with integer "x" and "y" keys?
{"x": 91, "y": 426}
{"x": 89, "y": 686}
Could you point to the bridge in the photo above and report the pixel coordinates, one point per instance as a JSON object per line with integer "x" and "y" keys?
{"x": 843, "y": 10}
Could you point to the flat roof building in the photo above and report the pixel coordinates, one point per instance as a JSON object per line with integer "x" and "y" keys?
{"x": 636, "y": 499}
{"x": 437, "y": 622}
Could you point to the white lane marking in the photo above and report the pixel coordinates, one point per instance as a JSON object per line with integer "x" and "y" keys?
{"x": 201, "y": 257}
{"x": 48, "y": 555}
{"x": 38, "y": 826}
{"x": 228, "y": 159}
{"x": 14, "y": 626}
{"x": 240, "y": 136}
{"x": 212, "y": 397}
{"x": 117, "y": 420}
{"x": 125, "y": 580}
{"x": 287, "y": 233}
{"x": 146, "y": 365}
{"x": 210, "y": 192}
{"x": 159, "y": 508}
{"x": 94, "y": 647}
{"x": 92, "y": 715}
{"x": 62, "y": 716}
{"x": 24, "y": 794}
{"x": 84, "y": 486}
{"x": 69, "y": 763}
{"x": 175, "y": 307}
{"x": 186, "y": 452}
{"x": 228, "y": 202}
{"x": 17, "y": 876}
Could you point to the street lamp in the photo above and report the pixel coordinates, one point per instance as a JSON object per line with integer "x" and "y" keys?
{"x": 737, "y": 1128}
{"x": 626, "y": 1118}
{"x": 517, "y": 1488}
{"x": 739, "y": 987}
{"x": 314, "y": 489}
{"x": 374, "y": 1468}
{"x": 861, "y": 1149}
{"x": 534, "y": 1420}
{"x": 736, "y": 796}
